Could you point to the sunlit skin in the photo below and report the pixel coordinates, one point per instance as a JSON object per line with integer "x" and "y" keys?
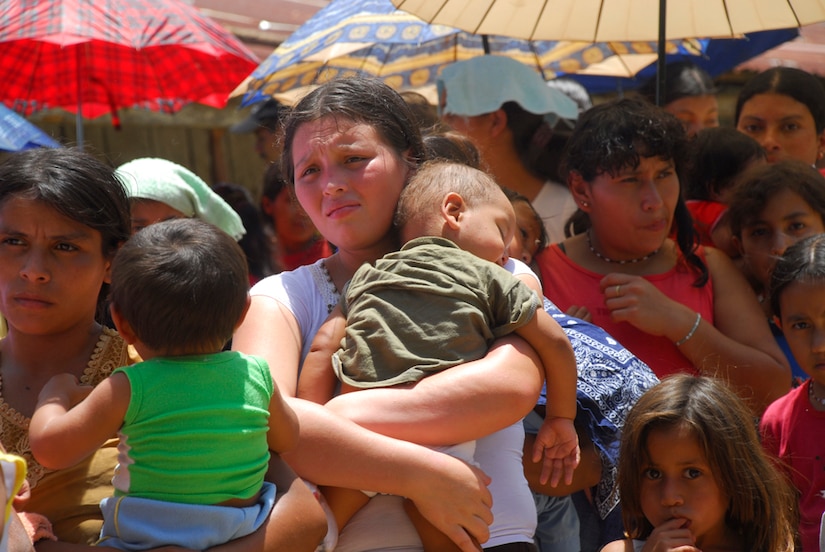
{"x": 293, "y": 227}
{"x": 680, "y": 495}
{"x": 783, "y": 126}
{"x": 802, "y": 305}
{"x": 49, "y": 267}
{"x": 636, "y": 205}
{"x": 346, "y": 176}
{"x": 695, "y": 112}
{"x": 786, "y": 219}
{"x": 145, "y": 212}
{"x": 527, "y": 238}
{"x": 487, "y": 230}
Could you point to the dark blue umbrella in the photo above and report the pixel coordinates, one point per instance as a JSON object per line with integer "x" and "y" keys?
{"x": 17, "y": 134}
{"x": 719, "y": 56}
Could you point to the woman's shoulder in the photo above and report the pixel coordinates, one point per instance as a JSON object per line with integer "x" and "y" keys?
{"x": 307, "y": 292}
{"x": 721, "y": 269}
{"x": 300, "y": 280}
{"x": 111, "y": 352}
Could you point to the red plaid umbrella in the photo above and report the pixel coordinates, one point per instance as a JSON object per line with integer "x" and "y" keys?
{"x": 92, "y": 57}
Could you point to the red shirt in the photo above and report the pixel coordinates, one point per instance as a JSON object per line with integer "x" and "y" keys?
{"x": 566, "y": 283}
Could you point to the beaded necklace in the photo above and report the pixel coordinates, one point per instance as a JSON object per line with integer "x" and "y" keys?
{"x": 614, "y": 261}
{"x": 813, "y": 397}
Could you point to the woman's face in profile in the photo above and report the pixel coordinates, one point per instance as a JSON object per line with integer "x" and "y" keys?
{"x": 695, "y": 112}
{"x": 783, "y": 126}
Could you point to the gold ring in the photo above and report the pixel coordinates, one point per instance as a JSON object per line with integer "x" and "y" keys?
{"x": 618, "y": 290}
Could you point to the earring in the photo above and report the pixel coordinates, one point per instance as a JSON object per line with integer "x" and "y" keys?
{"x": 819, "y": 154}
{"x": 585, "y": 204}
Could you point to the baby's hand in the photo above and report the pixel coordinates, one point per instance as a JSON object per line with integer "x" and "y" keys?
{"x": 558, "y": 443}
{"x": 671, "y": 535}
{"x": 65, "y": 390}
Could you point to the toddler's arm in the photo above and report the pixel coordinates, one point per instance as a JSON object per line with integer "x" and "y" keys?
{"x": 556, "y": 441}
{"x": 66, "y": 428}
{"x": 317, "y": 381}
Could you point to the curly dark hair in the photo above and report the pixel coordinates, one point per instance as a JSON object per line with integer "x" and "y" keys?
{"x": 716, "y": 158}
{"x": 617, "y": 134}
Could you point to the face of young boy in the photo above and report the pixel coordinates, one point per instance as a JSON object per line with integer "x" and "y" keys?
{"x": 803, "y": 323}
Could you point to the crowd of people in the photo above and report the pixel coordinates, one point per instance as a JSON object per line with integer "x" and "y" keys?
{"x": 571, "y": 328}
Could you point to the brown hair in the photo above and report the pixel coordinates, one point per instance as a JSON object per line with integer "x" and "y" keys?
{"x": 759, "y": 184}
{"x": 182, "y": 286}
{"x": 434, "y": 180}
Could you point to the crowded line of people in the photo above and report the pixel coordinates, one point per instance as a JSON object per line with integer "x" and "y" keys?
{"x": 642, "y": 289}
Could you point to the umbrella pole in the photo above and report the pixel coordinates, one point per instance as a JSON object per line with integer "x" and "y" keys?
{"x": 660, "y": 59}
{"x": 78, "y": 119}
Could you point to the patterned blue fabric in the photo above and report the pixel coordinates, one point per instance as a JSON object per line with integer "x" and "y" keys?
{"x": 610, "y": 381}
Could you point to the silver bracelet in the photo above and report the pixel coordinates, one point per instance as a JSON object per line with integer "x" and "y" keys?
{"x": 691, "y": 332}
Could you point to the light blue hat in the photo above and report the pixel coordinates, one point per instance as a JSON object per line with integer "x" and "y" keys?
{"x": 483, "y": 84}
{"x": 178, "y": 187}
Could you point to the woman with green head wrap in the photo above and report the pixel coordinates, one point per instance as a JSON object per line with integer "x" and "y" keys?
{"x": 161, "y": 190}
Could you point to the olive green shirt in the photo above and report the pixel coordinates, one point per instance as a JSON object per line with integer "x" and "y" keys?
{"x": 423, "y": 309}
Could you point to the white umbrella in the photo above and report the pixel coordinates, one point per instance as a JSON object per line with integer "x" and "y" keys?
{"x": 617, "y": 20}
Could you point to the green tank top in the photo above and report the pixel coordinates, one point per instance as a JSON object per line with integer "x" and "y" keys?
{"x": 195, "y": 430}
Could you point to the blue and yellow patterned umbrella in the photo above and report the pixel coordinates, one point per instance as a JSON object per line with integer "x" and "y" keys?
{"x": 372, "y": 37}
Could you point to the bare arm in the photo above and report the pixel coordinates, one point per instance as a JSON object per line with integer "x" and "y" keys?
{"x": 556, "y": 441}
{"x": 283, "y": 424}
{"x": 270, "y": 331}
{"x": 317, "y": 381}
{"x": 463, "y": 403}
{"x": 754, "y": 363}
{"x": 62, "y": 433}
{"x": 449, "y": 493}
{"x": 556, "y": 354}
